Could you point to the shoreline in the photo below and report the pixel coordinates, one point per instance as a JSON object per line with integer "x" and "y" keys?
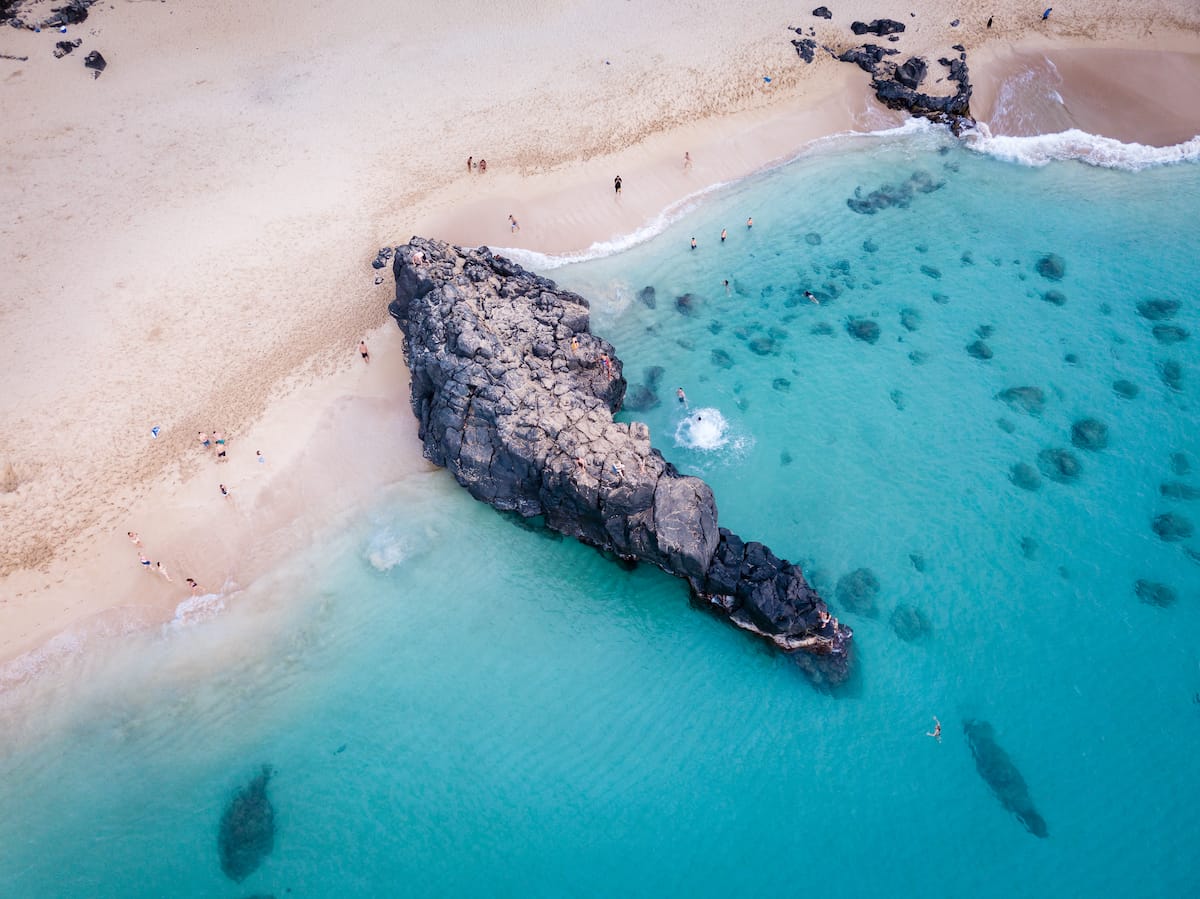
{"x": 283, "y": 390}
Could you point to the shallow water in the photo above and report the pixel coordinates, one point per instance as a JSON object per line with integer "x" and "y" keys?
{"x": 456, "y": 706}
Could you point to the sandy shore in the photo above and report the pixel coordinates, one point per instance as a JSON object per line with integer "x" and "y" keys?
{"x": 187, "y": 238}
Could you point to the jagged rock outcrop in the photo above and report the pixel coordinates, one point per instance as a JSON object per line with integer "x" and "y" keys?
{"x": 515, "y": 396}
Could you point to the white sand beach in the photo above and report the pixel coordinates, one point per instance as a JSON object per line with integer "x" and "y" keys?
{"x": 187, "y": 238}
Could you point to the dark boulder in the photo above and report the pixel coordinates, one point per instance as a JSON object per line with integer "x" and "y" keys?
{"x": 857, "y": 592}
{"x": 863, "y": 329}
{"x": 1052, "y": 267}
{"x": 867, "y": 57}
{"x": 912, "y": 73}
{"x": 1179, "y": 490}
{"x": 1155, "y": 594}
{"x": 1089, "y": 434}
{"x": 1172, "y": 527}
{"x": 382, "y": 257}
{"x": 1170, "y": 334}
{"x": 806, "y": 48}
{"x": 822, "y": 12}
{"x": 1125, "y": 389}
{"x": 880, "y": 27}
{"x": 96, "y": 63}
{"x": 979, "y": 350}
{"x": 247, "y": 832}
{"x": 909, "y": 623}
{"x": 1059, "y": 465}
{"x": 1025, "y": 476}
{"x": 73, "y": 13}
{"x": 1158, "y": 310}
{"x": 1024, "y": 399}
{"x": 1000, "y": 773}
{"x": 1171, "y": 373}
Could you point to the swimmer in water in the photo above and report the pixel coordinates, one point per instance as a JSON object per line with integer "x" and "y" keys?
{"x": 811, "y": 297}
{"x": 682, "y": 396}
{"x": 936, "y": 733}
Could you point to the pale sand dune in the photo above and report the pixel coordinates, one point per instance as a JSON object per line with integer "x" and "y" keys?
{"x": 186, "y": 239}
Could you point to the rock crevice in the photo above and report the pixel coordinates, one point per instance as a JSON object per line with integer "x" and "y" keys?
{"x": 515, "y": 396}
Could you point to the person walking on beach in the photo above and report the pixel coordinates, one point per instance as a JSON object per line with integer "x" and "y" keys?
{"x": 145, "y": 562}
{"x": 195, "y": 587}
{"x": 512, "y": 224}
{"x": 936, "y": 733}
{"x": 693, "y": 243}
{"x": 724, "y": 234}
{"x": 470, "y": 163}
{"x": 158, "y": 566}
{"x": 1046, "y": 14}
{"x": 687, "y": 159}
{"x": 219, "y": 441}
{"x": 482, "y": 166}
{"x": 262, "y": 460}
{"x": 134, "y": 538}
{"x": 203, "y": 438}
{"x": 617, "y": 185}
{"x": 362, "y": 349}
{"x": 224, "y": 492}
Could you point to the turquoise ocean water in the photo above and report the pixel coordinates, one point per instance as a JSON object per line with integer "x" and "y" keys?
{"x": 454, "y": 706}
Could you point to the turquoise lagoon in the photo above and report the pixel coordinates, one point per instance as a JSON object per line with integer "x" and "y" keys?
{"x": 455, "y": 706}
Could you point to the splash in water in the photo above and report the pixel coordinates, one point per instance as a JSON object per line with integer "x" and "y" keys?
{"x": 704, "y": 429}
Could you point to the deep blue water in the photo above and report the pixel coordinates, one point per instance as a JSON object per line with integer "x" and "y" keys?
{"x": 454, "y": 706}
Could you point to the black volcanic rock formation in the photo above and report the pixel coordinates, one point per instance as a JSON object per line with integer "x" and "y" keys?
{"x": 515, "y": 396}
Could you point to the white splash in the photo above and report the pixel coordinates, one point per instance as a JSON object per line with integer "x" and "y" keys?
{"x": 1093, "y": 149}
{"x": 705, "y": 429}
{"x": 387, "y": 549}
{"x": 196, "y": 609}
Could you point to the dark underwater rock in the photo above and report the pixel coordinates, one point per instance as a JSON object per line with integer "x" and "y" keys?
{"x": 940, "y": 298}
{"x": 910, "y": 623}
{"x": 910, "y": 319}
{"x": 1170, "y": 334}
{"x": 1172, "y": 527}
{"x": 930, "y": 272}
{"x": 979, "y": 350}
{"x": 525, "y": 424}
{"x": 893, "y": 195}
{"x": 822, "y": 329}
{"x": 1158, "y": 310}
{"x": 1180, "y": 464}
{"x": 783, "y": 385}
{"x": 897, "y": 398}
{"x": 1059, "y": 465}
{"x": 1125, "y": 389}
{"x": 1171, "y": 373}
{"x": 761, "y": 345}
{"x": 863, "y": 329}
{"x": 1071, "y": 359}
{"x": 721, "y": 359}
{"x": 1029, "y": 548}
{"x": 1155, "y": 594}
{"x": 998, "y": 772}
{"x": 1025, "y": 476}
{"x": 1024, "y": 399}
{"x": 1089, "y": 434}
{"x": 1055, "y": 297}
{"x": 983, "y": 332}
{"x": 687, "y": 303}
{"x": 654, "y": 375}
{"x": 813, "y": 239}
{"x": 869, "y": 246}
{"x": 918, "y": 561}
{"x": 247, "y": 832}
{"x": 649, "y": 296}
{"x": 1052, "y": 267}
{"x": 1006, "y": 425}
{"x": 785, "y": 458}
{"x": 916, "y": 357}
{"x": 641, "y": 398}
{"x": 857, "y": 592}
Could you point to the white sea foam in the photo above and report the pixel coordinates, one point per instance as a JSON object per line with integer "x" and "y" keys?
{"x": 196, "y": 609}
{"x": 1093, "y": 149}
{"x": 704, "y": 429}
{"x": 386, "y": 549}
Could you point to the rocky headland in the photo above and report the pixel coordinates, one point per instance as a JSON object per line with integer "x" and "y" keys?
{"x": 515, "y": 396}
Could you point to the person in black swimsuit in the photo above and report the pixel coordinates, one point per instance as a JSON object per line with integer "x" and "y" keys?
{"x": 617, "y": 184}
